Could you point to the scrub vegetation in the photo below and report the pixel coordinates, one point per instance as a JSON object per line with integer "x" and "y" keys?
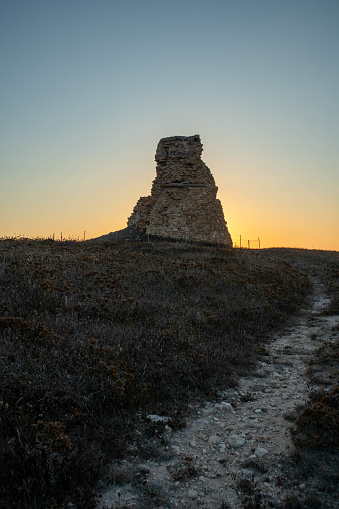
{"x": 96, "y": 336}
{"x": 315, "y": 431}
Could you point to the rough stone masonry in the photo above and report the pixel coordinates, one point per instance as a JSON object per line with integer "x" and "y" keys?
{"x": 183, "y": 203}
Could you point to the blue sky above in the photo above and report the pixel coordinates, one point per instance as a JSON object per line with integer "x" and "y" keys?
{"x": 89, "y": 87}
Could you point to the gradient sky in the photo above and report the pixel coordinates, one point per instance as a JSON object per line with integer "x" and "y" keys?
{"x": 88, "y": 88}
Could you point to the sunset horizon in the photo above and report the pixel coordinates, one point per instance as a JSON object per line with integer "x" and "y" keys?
{"x": 89, "y": 89}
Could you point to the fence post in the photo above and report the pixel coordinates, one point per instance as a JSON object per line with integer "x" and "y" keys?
{"x": 248, "y": 244}
{"x": 84, "y": 235}
{"x": 61, "y": 236}
{"x": 240, "y": 240}
{"x": 259, "y": 242}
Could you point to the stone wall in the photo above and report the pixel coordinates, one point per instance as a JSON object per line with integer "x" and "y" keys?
{"x": 183, "y": 203}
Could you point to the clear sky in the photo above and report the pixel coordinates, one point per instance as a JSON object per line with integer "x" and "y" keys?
{"x": 88, "y": 88}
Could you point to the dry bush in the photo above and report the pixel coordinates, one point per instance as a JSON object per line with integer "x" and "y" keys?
{"x": 93, "y": 337}
{"x": 318, "y": 423}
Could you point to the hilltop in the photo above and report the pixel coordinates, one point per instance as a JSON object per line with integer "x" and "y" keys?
{"x": 96, "y": 336}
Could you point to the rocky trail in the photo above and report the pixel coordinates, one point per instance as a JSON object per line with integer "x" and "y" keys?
{"x": 242, "y": 439}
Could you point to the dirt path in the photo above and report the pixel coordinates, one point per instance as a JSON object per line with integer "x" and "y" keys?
{"x": 241, "y": 440}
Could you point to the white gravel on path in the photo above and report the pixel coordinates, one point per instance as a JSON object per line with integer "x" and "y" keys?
{"x": 244, "y": 435}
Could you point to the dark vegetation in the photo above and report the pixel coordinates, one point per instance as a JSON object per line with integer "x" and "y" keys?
{"x": 315, "y": 432}
{"x": 315, "y": 462}
{"x": 318, "y": 423}
{"x": 96, "y": 336}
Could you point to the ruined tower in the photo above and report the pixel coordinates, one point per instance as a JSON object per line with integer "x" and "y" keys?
{"x": 183, "y": 203}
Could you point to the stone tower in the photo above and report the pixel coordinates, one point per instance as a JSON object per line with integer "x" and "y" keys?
{"x": 183, "y": 203}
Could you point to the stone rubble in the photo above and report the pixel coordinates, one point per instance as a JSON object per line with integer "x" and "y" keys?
{"x": 157, "y": 418}
{"x": 245, "y": 435}
{"x": 183, "y": 203}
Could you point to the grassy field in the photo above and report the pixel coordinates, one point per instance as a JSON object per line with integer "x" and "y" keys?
{"x": 96, "y": 336}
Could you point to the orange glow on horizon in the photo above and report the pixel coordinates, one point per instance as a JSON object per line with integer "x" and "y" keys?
{"x": 271, "y": 233}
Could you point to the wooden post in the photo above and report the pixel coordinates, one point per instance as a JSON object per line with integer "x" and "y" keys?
{"x": 84, "y": 235}
{"x": 240, "y": 240}
{"x": 61, "y": 236}
{"x": 259, "y": 242}
{"x": 53, "y": 236}
{"x": 248, "y": 244}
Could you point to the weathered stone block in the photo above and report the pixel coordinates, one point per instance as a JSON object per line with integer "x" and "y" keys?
{"x": 183, "y": 203}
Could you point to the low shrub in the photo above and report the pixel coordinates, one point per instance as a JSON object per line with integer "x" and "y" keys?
{"x": 94, "y": 337}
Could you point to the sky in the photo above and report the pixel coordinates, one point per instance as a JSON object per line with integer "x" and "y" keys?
{"x": 89, "y": 87}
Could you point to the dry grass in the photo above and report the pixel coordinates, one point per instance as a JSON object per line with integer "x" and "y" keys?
{"x": 95, "y": 336}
